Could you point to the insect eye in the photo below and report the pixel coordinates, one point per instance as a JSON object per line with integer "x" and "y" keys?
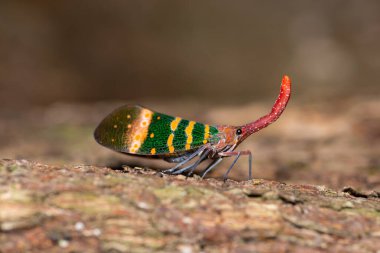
{"x": 239, "y": 132}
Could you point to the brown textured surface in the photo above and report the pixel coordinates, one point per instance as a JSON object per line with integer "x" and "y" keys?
{"x": 317, "y": 185}
{"x": 91, "y": 209}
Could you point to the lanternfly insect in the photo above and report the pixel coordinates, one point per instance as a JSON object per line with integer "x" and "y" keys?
{"x": 137, "y": 130}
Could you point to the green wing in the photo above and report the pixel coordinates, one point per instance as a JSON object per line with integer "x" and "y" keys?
{"x": 138, "y": 130}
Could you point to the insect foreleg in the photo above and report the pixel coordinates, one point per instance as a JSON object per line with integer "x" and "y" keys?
{"x": 238, "y": 153}
{"x": 229, "y": 169}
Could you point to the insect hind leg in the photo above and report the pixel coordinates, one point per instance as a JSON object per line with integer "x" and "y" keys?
{"x": 178, "y": 159}
{"x": 176, "y": 167}
{"x": 193, "y": 166}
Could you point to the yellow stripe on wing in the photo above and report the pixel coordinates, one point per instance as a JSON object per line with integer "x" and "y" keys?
{"x": 174, "y": 123}
{"x": 189, "y": 134}
{"x": 207, "y": 134}
{"x": 170, "y": 143}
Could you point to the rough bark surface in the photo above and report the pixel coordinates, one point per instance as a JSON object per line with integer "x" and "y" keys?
{"x": 49, "y": 203}
{"x": 98, "y": 209}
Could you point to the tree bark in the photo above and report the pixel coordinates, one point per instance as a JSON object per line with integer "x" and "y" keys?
{"x": 94, "y": 209}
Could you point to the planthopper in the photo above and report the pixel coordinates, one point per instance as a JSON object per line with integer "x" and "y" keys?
{"x": 136, "y": 130}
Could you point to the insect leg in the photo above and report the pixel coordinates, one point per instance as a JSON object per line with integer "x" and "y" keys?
{"x": 211, "y": 166}
{"x": 198, "y": 151}
{"x": 229, "y": 169}
{"x": 238, "y": 153}
{"x": 194, "y": 165}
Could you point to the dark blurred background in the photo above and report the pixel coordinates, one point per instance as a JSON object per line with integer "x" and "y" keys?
{"x": 64, "y": 65}
{"x": 215, "y": 51}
